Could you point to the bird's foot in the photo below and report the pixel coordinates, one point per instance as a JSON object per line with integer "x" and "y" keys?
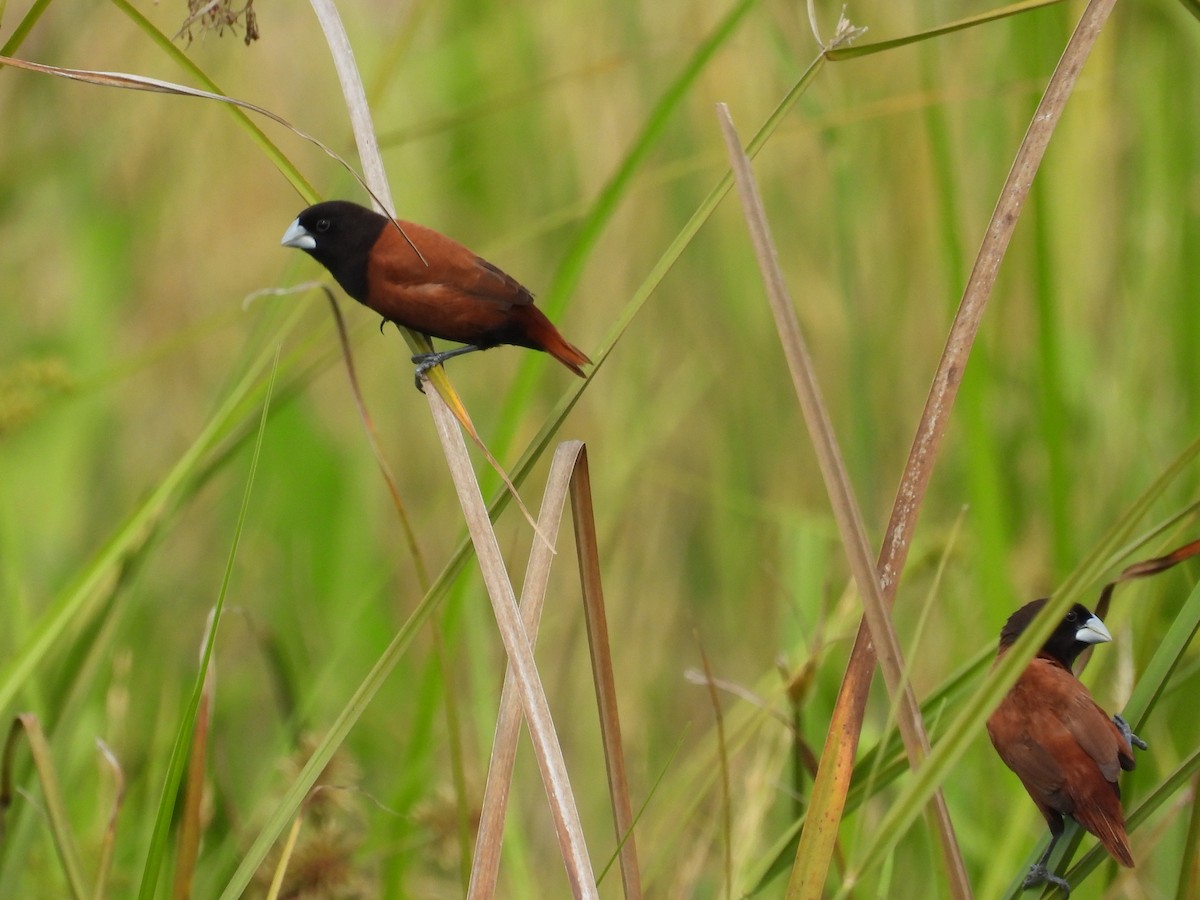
{"x": 424, "y": 362}
{"x": 1039, "y": 874}
{"x": 1127, "y": 733}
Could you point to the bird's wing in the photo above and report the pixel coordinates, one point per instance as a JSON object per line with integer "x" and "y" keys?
{"x": 1097, "y": 735}
{"x": 427, "y": 261}
{"x": 496, "y": 284}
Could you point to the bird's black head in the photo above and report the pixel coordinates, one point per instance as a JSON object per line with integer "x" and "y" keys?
{"x": 1078, "y": 629}
{"x": 339, "y": 235}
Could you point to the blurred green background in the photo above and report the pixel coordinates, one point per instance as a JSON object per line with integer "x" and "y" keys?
{"x": 134, "y": 226}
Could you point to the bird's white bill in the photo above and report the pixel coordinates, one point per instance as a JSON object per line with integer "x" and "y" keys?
{"x": 1093, "y": 632}
{"x": 298, "y": 236}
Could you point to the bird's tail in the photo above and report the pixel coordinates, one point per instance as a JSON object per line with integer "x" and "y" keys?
{"x": 540, "y": 334}
{"x": 569, "y": 355}
{"x": 1110, "y": 831}
{"x": 1117, "y": 844}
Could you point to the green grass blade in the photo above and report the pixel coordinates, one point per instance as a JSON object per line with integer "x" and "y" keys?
{"x": 157, "y": 852}
{"x": 17, "y": 38}
{"x": 1013, "y": 9}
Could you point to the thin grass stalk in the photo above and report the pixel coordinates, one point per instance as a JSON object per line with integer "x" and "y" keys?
{"x": 833, "y": 777}
{"x": 520, "y": 654}
{"x": 797, "y": 688}
{"x": 992, "y": 15}
{"x": 189, "y": 830}
{"x": 80, "y": 662}
{"x": 355, "y": 96}
{"x": 726, "y": 821}
{"x": 698, "y": 778}
{"x": 30, "y": 726}
{"x": 846, "y": 511}
{"x": 587, "y": 550}
{"x": 410, "y": 535}
{"x": 285, "y": 857}
{"x": 455, "y": 754}
{"x": 485, "y": 872}
{"x": 110, "y": 829}
{"x": 133, "y": 82}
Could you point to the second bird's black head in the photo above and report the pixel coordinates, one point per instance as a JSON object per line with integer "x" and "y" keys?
{"x": 339, "y": 235}
{"x": 1079, "y": 629}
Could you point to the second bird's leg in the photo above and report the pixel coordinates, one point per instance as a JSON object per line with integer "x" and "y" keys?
{"x": 1127, "y": 732}
{"x": 426, "y": 361}
{"x": 1039, "y": 874}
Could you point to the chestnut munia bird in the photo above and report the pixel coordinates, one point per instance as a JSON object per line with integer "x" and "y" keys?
{"x": 425, "y": 281}
{"x": 1062, "y": 745}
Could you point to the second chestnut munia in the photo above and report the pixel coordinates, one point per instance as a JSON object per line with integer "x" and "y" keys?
{"x": 1062, "y": 745}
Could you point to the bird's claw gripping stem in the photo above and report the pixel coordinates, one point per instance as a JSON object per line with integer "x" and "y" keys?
{"x": 1127, "y": 733}
{"x": 1039, "y": 874}
{"x": 426, "y": 361}
{"x": 424, "y": 364}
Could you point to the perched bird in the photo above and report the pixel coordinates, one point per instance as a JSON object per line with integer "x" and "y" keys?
{"x": 425, "y": 281}
{"x": 1062, "y": 745}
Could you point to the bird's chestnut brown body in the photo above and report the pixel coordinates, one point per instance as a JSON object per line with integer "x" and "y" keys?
{"x": 1066, "y": 752}
{"x": 423, "y": 280}
{"x": 1060, "y": 743}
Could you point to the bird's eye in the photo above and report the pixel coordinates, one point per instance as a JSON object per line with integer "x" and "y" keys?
{"x": 1071, "y": 616}
{"x": 322, "y": 225}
